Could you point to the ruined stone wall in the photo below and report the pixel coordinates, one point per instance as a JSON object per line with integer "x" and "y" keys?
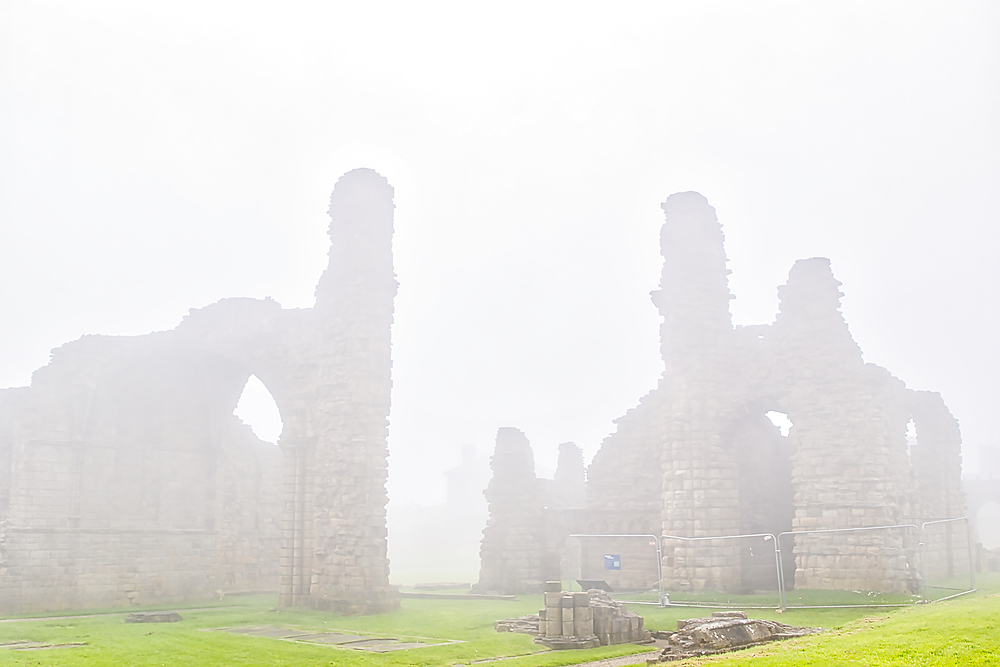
{"x": 118, "y": 487}
{"x": 848, "y": 437}
{"x": 624, "y": 498}
{"x": 625, "y": 454}
{"x": 125, "y": 477}
{"x": 699, "y": 461}
{"x": 937, "y": 468}
{"x": 528, "y": 535}
{"x": 725, "y": 470}
{"x": 513, "y": 550}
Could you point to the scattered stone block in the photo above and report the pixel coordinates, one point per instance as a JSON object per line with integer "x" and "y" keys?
{"x": 579, "y": 620}
{"x": 153, "y": 617}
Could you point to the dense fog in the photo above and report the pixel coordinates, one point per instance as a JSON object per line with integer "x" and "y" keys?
{"x": 159, "y": 157}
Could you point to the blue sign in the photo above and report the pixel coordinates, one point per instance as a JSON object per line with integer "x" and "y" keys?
{"x": 612, "y": 562}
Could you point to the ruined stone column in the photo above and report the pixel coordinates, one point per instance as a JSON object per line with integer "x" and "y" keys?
{"x": 342, "y": 471}
{"x": 700, "y": 480}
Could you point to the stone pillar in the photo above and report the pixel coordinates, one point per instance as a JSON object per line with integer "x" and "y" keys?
{"x": 345, "y": 363}
{"x": 700, "y": 478}
{"x": 848, "y": 438}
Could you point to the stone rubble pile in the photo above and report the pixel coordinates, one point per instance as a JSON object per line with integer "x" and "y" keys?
{"x": 724, "y": 631}
{"x": 579, "y": 620}
{"x": 525, "y": 624}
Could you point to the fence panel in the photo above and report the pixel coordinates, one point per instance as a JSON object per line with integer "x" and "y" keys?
{"x": 741, "y": 571}
{"x": 874, "y": 566}
{"x": 946, "y": 564}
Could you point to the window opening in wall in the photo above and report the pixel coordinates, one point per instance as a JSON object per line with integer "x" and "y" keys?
{"x": 257, "y": 409}
{"x": 911, "y": 439}
{"x": 780, "y": 419}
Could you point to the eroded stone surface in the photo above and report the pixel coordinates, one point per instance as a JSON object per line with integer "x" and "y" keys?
{"x": 723, "y": 631}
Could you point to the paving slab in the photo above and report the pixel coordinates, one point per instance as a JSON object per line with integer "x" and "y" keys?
{"x": 332, "y": 638}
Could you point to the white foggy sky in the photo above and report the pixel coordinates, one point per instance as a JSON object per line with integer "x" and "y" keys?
{"x": 156, "y": 157}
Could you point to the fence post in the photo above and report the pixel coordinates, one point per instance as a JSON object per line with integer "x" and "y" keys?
{"x": 781, "y": 571}
{"x": 972, "y": 564}
{"x": 921, "y": 549}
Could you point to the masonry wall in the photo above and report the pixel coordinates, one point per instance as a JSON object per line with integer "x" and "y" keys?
{"x": 125, "y": 478}
{"x": 699, "y": 461}
{"x": 514, "y": 554}
{"x": 127, "y": 487}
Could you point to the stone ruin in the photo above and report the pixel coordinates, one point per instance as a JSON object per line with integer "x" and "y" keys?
{"x": 125, "y": 478}
{"x": 587, "y": 619}
{"x": 722, "y": 632}
{"x": 699, "y": 457}
{"x": 579, "y": 620}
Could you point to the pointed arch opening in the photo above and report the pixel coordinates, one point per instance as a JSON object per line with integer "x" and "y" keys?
{"x": 258, "y": 410}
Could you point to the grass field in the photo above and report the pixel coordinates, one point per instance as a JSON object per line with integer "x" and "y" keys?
{"x": 964, "y": 631}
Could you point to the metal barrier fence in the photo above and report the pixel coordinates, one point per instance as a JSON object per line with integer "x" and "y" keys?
{"x": 832, "y": 548}
{"x": 730, "y": 557}
{"x": 930, "y": 543}
{"x": 931, "y": 547}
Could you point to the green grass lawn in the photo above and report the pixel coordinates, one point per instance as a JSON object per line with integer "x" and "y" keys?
{"x": 964, "y": 631}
